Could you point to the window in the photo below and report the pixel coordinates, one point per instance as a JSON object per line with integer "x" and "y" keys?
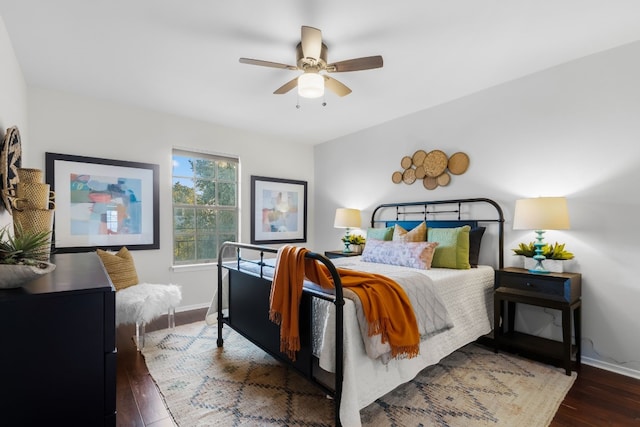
{"x": 205, "y": 205}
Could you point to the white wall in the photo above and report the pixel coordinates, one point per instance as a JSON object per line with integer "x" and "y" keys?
{"x": 569, "y": 131}
{"x": 13, "y": 98}
{"x": 70, "y": 124}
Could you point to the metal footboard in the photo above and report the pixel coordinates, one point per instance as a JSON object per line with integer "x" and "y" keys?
{"x": 252, "y": 289}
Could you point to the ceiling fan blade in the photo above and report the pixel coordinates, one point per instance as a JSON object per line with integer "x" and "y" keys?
{"x": 335, "y": 86}
{"x": 366, "y": 63}
{"x": 286, "y": 87}
{"x": 267, "y": 64}
{"x": 311, "y": 41}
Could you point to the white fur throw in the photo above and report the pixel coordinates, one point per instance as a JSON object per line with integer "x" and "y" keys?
{"x": 145, "y": 301}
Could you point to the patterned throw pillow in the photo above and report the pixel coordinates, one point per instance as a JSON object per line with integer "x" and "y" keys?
{"x": 453, "y": 248}
{"x": 120, "y": 267}
{"x": 418, "y": 234}
{"x": 407, "y": 254}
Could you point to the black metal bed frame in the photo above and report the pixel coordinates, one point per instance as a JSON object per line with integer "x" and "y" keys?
{"x": 249, "y": 294}
{"x": 254, "y": 325}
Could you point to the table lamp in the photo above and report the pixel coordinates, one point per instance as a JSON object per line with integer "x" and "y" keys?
{"x": 347, "y": 218}
{"x": 540, "y": 214}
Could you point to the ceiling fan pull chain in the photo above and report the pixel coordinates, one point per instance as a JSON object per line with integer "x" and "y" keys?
{"x": 298, "y": 102}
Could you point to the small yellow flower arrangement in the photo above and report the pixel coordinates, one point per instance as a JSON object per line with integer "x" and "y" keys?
{"x": 354, "y": 239}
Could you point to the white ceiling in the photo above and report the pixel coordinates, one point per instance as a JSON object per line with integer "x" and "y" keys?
{"x": 181, "y": 56}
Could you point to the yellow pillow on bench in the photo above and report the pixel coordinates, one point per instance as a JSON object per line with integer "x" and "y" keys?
{"x": 120, "y": 267}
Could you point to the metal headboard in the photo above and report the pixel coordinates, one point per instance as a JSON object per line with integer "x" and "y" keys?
{"x": 431, "y": 210}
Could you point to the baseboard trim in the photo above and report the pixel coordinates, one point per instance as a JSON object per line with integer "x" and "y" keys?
{"x": 184, "y": 308}
{"x": 611, "y": 367}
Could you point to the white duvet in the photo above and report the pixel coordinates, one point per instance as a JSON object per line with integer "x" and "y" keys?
{"x": 467, "y": 295}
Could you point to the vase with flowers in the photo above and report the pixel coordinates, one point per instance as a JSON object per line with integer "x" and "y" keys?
{"x": 354, "y": 242}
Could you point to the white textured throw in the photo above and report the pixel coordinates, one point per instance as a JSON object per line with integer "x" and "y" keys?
{"x": 145, "y": 301}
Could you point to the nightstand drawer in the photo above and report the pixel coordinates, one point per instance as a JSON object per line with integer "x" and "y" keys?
{"x": 533, "y": 284}
{"x": 565, "y": 286}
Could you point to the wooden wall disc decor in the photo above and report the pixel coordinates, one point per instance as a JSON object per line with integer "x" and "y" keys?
{"x": 433, "y": 168}
{"x": 435, "y": 163}
{"x": 443, "y": 179}
{"x": 418, "y": 157}
{"x": 429, "y": 183}
{"x": 409, "y": 176}
{"x": 406, "y": 162}
{"x": 458, "y": 163}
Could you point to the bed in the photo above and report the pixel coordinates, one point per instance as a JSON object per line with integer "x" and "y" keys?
{"x": 333, "y": 354}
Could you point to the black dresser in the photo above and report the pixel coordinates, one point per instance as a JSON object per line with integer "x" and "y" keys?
{"x": 57, "y": 347}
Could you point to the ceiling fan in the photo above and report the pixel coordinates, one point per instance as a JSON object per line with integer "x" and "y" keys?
{"x": 311, "y": 58}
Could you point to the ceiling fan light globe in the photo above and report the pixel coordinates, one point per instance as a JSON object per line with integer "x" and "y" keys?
{"x": 311, "y": 85}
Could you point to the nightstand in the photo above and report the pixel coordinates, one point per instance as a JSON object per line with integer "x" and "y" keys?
{"x": 340, "y": 254}
{"x": 559, "y": 291}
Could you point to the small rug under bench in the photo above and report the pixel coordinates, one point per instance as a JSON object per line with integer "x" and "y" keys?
{"x": 241, "y": 385}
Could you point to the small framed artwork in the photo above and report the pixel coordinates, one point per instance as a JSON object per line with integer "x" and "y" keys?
{"x": 278, "y": 210}
{"x": 103, "y": 203}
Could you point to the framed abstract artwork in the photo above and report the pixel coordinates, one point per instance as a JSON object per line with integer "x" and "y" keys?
{"x": 102, "y": 203}
{"x": 278, "y": 210}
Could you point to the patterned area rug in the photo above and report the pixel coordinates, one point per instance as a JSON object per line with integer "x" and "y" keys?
{"x": 240, "y": 385}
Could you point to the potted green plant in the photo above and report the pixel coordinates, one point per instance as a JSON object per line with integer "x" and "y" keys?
{"x": 555, "y": 255}
{"x": 21, "y": 256}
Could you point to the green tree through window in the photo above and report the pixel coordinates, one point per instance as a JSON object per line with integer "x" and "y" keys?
{"x": 205, "y": 205}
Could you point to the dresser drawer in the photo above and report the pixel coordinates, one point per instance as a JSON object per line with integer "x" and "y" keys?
{"x": 563, "y": 286}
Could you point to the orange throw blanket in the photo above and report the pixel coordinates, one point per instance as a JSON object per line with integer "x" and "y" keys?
{"x": 385, "y": 304}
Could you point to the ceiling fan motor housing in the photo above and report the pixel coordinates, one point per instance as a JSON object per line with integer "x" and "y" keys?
{"x": 311, "y": 63}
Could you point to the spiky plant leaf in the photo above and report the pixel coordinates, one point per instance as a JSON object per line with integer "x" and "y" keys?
{"x": 22, "y": 245}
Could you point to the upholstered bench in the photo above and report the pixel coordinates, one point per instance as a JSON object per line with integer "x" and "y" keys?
{"x": 138, "y": 303}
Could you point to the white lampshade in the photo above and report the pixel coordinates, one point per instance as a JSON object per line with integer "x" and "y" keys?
{"x": 311, "y": 85}
{"x": 347, "y": 218}
{"x": 541, "y": 213}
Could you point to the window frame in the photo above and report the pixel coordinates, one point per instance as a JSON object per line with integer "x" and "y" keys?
{"x": 213, "y": 210}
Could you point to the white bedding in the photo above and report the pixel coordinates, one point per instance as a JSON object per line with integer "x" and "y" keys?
{"x": 467, "y": 295}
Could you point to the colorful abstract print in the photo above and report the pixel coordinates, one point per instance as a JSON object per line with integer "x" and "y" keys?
{"x": 105, "y": 205}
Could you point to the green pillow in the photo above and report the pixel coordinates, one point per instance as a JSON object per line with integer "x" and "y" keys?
{"x": 380, "y": 233}
{"x": 453, "y": 248}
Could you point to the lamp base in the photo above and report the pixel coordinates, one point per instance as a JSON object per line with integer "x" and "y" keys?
{"x": 539, "y": 244}
{"x": 539, "y": 268}
{"x": 346, "y": 242}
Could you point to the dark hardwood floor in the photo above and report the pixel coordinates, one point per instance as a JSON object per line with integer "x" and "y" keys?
{"x": 598, "y": 398}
